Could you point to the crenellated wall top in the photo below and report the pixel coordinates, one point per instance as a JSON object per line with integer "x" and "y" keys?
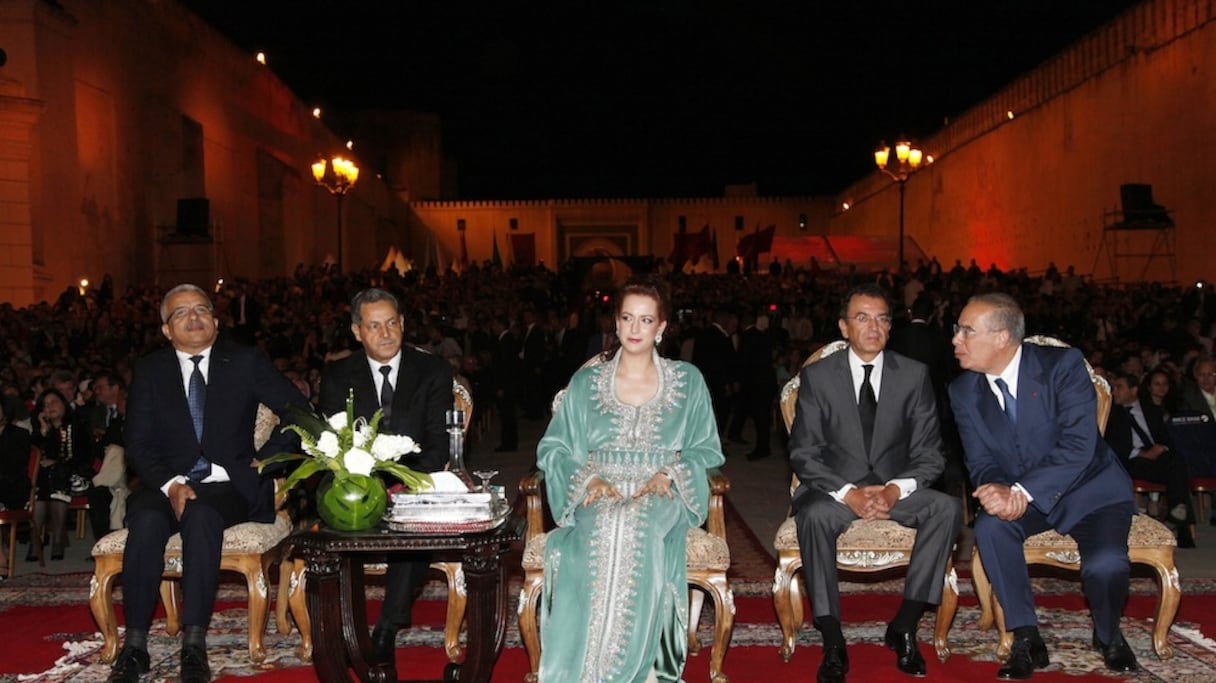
{"x": 571, "y": 203}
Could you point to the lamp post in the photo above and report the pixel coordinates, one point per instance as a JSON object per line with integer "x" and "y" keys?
{"x": 336, "y": 175}
{"x": 908, "y": 160}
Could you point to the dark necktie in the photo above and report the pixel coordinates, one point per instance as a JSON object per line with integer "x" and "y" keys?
{"x": 1011, "y": 404}
{"x": 1145, "y": 439}
{"x": 386, "y": 392}
{"x": 197, "y": 398}
{"x": 867, "y": 406}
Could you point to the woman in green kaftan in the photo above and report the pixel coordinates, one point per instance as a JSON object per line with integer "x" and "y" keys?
{"x": 625, "y": 462}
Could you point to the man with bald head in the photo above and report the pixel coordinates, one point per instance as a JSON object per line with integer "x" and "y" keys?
{"x": 1026, "y": 415}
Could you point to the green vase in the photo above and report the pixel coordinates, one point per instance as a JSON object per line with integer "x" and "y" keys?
{"x": 351, "y": 502}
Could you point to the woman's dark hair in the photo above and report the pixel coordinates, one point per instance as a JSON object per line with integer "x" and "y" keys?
{"x": 650, "y": 285}
{"x": 40, "y": 404}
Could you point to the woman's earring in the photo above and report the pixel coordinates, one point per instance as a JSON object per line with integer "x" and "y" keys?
{"x": 658, "y": 339}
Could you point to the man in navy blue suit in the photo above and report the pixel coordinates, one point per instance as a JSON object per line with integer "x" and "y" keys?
{"x": 1027, "y": 419}
{"x": 189, "y": 434}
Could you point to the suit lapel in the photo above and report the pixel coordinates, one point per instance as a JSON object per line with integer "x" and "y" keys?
{"x": 367, "y": 400}
{"x": 1032, "y": 387}
{"x": 177, "y": 391}
{"x": 848, "y": 407}
{"x": 407, "y": 384}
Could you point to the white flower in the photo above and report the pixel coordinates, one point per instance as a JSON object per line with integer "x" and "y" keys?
{"x": 361, "y": 433}
{"x": 358, "y": 461}
{"x": 328, "y": 445}
{"x": 338, "y": 421}
{"x": 389, "y": 446}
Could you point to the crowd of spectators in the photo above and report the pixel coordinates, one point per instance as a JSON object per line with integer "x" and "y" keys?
{"x": 556, "y": 320}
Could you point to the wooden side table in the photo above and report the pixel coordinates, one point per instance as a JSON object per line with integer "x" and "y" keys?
{"x": 337, "y": 602}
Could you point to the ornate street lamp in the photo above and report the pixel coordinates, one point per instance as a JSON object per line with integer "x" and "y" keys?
{"x": 908, "y": 160}
{"x": 337, "y": 176}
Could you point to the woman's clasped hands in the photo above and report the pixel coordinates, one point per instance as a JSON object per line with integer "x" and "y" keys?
{"x": 597, "y": 488}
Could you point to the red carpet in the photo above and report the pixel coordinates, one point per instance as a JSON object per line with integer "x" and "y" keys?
{"x": 45, "y": 618}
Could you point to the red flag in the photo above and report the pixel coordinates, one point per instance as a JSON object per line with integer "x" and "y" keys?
{"x": 464, "y": 253}
{"x": 689, "y": 246}
{"x": 523, "y": 249}
{"x": 759, "y": 242}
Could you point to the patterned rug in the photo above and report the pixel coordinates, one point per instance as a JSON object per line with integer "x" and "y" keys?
{"x": 1067, "y": 627}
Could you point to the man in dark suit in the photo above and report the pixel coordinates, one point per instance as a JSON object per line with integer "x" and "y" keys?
{"x": 189, "y": 437}
{"x": 865, "y": 445}
{"x": 758, "y": 385}
{"x": 1027, "y": 418}
{"x": 714, "y": 354}
{"x": 507, "y": 372}
{"x": 414, "y": 389}
{"x": 1136, "y": 431}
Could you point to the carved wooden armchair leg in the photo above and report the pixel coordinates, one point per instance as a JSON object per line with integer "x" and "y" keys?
{"x": 251, "y": 567}
{"x": 171, "y": 598}
{"x": 1162, "y": 561}
{"x": 457, "y": 597}
{"x": 297, "y": 603}
{"x": 281, "y": 608}
{"x": 945, "y": 614}
{"x": 716, "y": 586}
{"x": 101, "y": 603}
{"x": 787, "y": 600}
{"x": 529, "y": 631}
{"x": 983, "y": 591}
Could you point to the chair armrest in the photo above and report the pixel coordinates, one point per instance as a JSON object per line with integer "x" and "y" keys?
{"x": 719, "y": 485}
{"x": 530, "y": 487}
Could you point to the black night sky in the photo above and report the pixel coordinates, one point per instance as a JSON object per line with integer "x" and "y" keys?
{"x": 657, "y": 98}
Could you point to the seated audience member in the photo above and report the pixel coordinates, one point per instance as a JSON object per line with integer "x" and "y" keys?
{"x": 67, "y": 451}
{"x": 851, "y": 465}
{"x": 1200, "y": 396}
{"x": 626, "y": 453}
{"x": 1158, "y": 388}
{"x": 1027, "y": 416}
{"x": 1138, "y": 434}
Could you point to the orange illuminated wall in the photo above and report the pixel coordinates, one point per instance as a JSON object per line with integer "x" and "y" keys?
{"x": 1130, "y": 103}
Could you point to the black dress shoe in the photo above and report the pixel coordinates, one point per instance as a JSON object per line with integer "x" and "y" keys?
{"x": 195, "y": 668}
{"x": 384, "y": 643}
{"x": 130, "y": 664}
{"x": 907, "y": 654}
{"x": 1026, "y": 655}
{"x": 1117, "y": 656}
{"x": 834, "y": 666}
{"x": 506, "y": 449}
{"x": 756, "y": 455}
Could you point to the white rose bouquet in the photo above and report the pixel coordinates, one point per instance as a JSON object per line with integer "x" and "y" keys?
{"x": 346, "y": 446}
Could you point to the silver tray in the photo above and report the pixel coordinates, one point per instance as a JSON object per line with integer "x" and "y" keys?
{"x": 434, "y": 527}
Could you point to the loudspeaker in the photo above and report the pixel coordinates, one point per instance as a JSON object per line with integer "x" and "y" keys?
{"x": 739, "y": 223}
{"x": 193, "y": 216}
{"x": 683, "y": 223}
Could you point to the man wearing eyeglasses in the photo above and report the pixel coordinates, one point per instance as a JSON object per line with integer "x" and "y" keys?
{"x": 189, "y": 437}
{"x": 865, "y": 445}
{"x": 413, "y": 388}
{"x": 1027, "y": 418}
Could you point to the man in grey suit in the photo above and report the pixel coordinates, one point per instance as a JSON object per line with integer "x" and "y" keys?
{"x": 865, "y": 445}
